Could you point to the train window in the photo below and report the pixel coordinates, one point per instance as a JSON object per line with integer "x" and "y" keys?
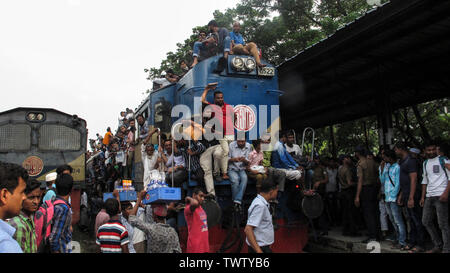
{"x": 15, "y": 137}
{"x": 59, "y": 137}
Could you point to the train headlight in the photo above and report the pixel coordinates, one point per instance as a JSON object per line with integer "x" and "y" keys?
{"x": 250, "y": 64}
{"x": 31, "y": 116}
{"x": 35, "y": 116}
{"x": 238, "y": 63}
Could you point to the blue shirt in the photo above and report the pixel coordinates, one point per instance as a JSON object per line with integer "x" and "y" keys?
{"x": 237, "y": 38}
{"x": 7, "y": 242}
{"x": 260, "y": 218}
{"x": 281, "y": 159}
{"x": 235, "y": 152}
{"x": 391, "y": 182}
{"x": 50, "y": 194}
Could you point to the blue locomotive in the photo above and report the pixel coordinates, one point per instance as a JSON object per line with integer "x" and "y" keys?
{"x": 242, "y": 84}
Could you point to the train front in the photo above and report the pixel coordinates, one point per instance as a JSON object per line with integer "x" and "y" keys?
{"x": 252, "y": 91}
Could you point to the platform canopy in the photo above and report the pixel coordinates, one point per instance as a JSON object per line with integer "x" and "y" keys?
{"x": 394, "y": 56}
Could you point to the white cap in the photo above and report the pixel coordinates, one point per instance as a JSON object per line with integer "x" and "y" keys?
{"x": 414, "y": 150}
{"x": 51, "y": 177}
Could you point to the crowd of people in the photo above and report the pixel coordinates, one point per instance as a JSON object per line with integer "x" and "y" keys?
{"x": 395, "y": 196}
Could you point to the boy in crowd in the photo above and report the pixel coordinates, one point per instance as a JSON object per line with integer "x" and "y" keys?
{"x": 198, "y": 241}
{"x": 348, "y": 192}
{"x": 12, "y": 194}
{"x": 409, "y": 197}
{"x": 163, "y": 238}
{"x": 255, "y": 169}
{"x": 436, "y": 186}
{"x": 390, "y": 179}
{"x": 51, "y": 190}
{"x": 367, "y": 192}
{"x": 238, "y": 162}
{"x": 24, "y": 223}
{"x": 112, "y": 237}
{"x": 61, "y": 234}
{"x": 174, "y": 163}
{"x": 259, "y": 229}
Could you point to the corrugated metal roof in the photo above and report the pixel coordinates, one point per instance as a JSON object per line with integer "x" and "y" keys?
{"x": 400, "y": 47}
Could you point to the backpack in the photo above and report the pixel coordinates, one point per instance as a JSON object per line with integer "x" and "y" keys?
{"x": 441, "y": 162}
{"x": 43, "y": 224}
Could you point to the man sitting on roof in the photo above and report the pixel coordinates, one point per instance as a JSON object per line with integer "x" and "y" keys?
{"x": 171, "y": 76}
{"x": 239, "y": 47}
{"x": 218, "y": 40}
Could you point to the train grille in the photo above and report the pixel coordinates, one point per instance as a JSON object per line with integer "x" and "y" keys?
{"x": 15, "y": 137}
{"x": 59, "y": 137}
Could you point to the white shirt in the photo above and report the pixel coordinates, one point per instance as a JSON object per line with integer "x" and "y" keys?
{"x": 84, "y": 199}
{"x": 435, "y": 178}
{"x": 139, "y": 235}
{"x": 332, "y": 183}
{"x": 148, "y": 163}
{"x": 260, "y": 218}
{"x": 295, "y": 148}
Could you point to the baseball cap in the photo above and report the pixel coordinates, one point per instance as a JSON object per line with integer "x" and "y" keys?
{"x": 51, "y": 177}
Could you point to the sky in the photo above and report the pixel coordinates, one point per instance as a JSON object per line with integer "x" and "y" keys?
{"x": 87, "y": 57}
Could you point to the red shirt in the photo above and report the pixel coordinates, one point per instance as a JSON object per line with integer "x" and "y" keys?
{"x": 198, "y": 241}
{"x": 227, "y": 118}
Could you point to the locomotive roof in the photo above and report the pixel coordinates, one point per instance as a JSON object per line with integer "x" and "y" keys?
{"x": 36, "y": 109}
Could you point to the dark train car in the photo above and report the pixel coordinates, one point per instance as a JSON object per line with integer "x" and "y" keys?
{"x": 254, "y": 94}
{"x": 42, "y": 139}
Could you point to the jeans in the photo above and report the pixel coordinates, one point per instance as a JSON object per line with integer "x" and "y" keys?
{"x": 238, "y": 184}
{"x": 197, "y": 47}
{"x": 433, "y": 207}
{"x": 416, "y": 236}
{"x": 395, "y": 214}
{"x": 383, "y": 215}
{"x": 200, "y": 46}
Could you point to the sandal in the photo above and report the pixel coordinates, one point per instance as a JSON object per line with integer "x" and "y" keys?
{"x": 407, "y": 247}
{"x": 416, "y": 249}
{"x": 435, "y": 250}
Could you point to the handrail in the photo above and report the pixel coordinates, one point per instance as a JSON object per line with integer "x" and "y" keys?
{"x": 276, "y": 91}
{"x": 303, "y": 141}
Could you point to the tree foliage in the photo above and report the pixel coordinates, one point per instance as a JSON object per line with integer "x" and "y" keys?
{"x": 280, "y": 28}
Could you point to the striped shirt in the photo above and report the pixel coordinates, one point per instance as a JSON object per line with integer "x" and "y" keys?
{"x": 111, "y": 236}
{"x": 61, "y": 235}
{"x": 196, "y": 147}
{"x": 25, "y": 232}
